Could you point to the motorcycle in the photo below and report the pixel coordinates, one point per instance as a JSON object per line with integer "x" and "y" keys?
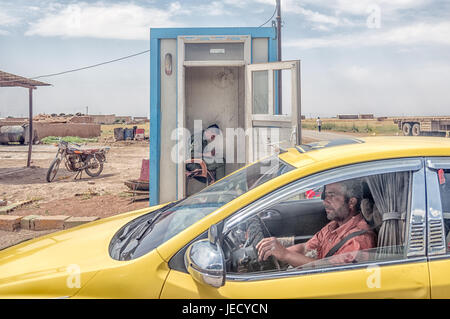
{"x": 77, "y": 160}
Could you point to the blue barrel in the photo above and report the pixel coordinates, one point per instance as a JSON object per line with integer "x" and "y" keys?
{"x": 119, "y": 134}
{"x": 128, "y": 134}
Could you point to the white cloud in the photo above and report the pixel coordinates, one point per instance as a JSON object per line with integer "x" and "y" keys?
{"x": 315, "y": 16}
{"x": 101, "y": 20}
{"x": 215, "y": 8}
{"x": 8, "y": 20}
{"x": 175, "y": 8}
{"x": 417, "y": 34}
{"x": 356, "y": 73}
{"x": 360, "y": 7}
{"x": 320, "y": 20}
{"x": 237, "y": 3}
{"x": 321, "y": 27}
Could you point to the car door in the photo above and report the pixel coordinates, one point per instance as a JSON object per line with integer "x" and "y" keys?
{"x": 403, "y": 277}
{"x": 438, "y": 207}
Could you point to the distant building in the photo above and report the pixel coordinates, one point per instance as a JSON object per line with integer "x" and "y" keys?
{"x": 123, "y": 119}
{"x": 347, "y": 116}
{"x": 104, "y": 119}
{"x": 366, "y": 116}
{"x": 141, "y": 119}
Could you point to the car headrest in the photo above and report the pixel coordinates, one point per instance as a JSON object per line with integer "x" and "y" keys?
{"x": 370, "y": 212}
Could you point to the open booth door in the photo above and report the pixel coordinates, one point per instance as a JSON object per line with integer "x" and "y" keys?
{"x": 266, "y": 129}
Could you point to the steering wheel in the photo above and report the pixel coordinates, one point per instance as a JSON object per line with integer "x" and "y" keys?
{"x": 267, "y": 234}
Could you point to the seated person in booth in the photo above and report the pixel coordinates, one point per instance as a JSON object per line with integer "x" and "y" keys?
{"x": 346, "y": 233}
{"x": 208, "y": 146}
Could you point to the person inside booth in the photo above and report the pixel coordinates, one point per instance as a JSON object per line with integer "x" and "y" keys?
{"x": 207, "y": 165}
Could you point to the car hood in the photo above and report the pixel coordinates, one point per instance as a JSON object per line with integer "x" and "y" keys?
{"x": 59, "y": 264}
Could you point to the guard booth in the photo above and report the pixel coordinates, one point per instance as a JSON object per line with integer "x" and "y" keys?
{"x": 224, "y": 76}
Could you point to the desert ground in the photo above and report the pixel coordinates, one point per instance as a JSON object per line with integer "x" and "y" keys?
{"x": 102, "y": 196}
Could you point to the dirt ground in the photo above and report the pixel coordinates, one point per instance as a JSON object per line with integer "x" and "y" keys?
{"x": 102, "y": 196}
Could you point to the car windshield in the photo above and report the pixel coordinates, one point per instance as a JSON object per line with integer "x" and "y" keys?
{"x": 169, "y": 222}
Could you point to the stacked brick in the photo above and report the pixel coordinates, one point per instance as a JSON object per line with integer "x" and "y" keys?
{"x": 36, "y": 222}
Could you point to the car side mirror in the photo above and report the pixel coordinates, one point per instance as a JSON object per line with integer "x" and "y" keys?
{"x": 205, "y": 263}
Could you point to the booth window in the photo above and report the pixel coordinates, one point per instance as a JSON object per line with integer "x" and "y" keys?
{"x": 214, "y": 51}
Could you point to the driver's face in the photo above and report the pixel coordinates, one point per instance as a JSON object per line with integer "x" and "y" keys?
{"x": 335, "y": 204}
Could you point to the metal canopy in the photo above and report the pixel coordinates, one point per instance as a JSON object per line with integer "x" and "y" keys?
{"x": 12, "y": 80}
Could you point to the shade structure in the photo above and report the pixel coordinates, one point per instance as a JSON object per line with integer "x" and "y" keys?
{"x": 12, "y": 80}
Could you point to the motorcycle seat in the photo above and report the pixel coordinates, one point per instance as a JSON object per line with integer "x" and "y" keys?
{"x": 81, "y": 151}
{"x": 91, "y": 151}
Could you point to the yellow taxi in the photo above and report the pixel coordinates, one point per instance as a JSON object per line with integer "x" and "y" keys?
{"x": 206, "y": 246}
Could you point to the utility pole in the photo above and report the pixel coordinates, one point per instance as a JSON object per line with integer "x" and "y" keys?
{"x": 279, "y": 56}
{"x": 87, "y": 109}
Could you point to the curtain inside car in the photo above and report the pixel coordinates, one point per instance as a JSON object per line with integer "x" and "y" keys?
{"x": 390, "y": 193}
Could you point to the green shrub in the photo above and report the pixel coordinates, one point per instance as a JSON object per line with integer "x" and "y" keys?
{"x": 70, "y": 139}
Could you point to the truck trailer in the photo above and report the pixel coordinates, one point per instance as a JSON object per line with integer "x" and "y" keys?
{"x": 425, "y": 126}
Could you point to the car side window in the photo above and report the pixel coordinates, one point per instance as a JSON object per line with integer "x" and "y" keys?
{"x": 318, "y": 222}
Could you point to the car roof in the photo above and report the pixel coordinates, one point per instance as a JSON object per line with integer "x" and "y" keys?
{"x": 353, "y": 150}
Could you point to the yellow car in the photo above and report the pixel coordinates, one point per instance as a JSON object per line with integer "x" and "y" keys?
{"x": 206, "y": 246}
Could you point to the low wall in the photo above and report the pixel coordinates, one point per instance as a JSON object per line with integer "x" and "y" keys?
{"x": 82, "y": 119}
{"x": 12, "y": 123}
{"x": 85, "y": 130}
{"x": 15, "y": 119}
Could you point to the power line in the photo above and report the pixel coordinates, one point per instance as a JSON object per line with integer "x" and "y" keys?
{"x": 83, "y": 68}
{"x": 275, "y": 11}
{"x": 91, "y": 66}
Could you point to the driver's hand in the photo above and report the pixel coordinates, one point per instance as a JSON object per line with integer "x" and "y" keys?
{"x": 270, "y": 247}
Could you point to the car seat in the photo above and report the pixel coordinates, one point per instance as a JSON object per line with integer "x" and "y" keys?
{"x": 369, "y": 210}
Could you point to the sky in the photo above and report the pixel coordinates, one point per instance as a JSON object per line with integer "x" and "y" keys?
{"x": 384, "y": 57}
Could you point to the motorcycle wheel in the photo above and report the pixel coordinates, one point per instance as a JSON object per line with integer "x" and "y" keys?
{"x": 95, "y": 167}
{"x": 53, "y": 169}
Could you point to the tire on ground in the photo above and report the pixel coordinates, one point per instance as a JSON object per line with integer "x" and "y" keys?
{"x": 53, "y": 166}
{"x": 406, "y": 129}
{"x": 96, "y": 171}
{"x": 415, "y": 131}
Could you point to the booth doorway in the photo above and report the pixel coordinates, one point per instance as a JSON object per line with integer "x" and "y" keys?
{"x": 215, "y": 95}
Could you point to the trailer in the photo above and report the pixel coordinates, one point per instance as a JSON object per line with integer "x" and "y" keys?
{"x": 425, "y": 126}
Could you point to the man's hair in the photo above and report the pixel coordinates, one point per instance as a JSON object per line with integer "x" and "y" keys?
{"x": 353, "y": 188}
{"x": 213, "y": 126}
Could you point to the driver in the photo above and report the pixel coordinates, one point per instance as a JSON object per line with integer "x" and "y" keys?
{"x": 341, "y": 202}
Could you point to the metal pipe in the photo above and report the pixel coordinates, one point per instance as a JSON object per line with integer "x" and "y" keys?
{"x": 280, "y": 95}
{"x": 30, "y": 126}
